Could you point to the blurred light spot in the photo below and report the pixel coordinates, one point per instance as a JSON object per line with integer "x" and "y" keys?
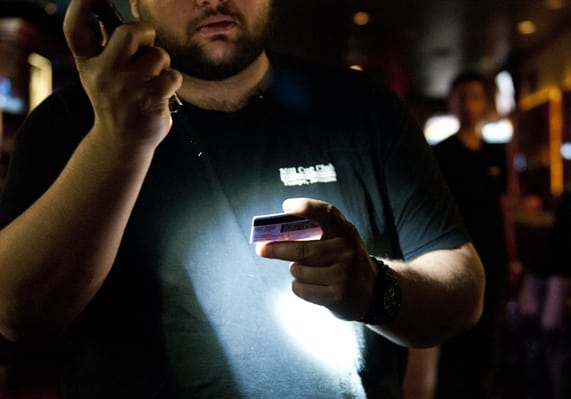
{"x": 361, "y": 18}
{"x": 50, "y": 8}
{"x": 498, "y": 132}
{"x": 527, "y": 27}
{"x": 520, "y": 162}
{"x": 440, "y": 127}
{"x": 41, "y": 78}
{"x": 8, "y": 102}
{"x": 505, "y": 97}
{"x": 555, "y": 4}
{"x": 321, "y": 335}
{"x": 356, "y": 67}
{"x": 566, "y": 151}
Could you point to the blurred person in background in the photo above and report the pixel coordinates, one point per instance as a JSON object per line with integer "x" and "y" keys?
{"x": 476, "y": 174}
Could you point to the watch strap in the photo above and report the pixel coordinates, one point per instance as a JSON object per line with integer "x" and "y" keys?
{"x": 386, "y": 299}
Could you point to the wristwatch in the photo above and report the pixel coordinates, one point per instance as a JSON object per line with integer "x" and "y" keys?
{"x": 386, "y": 300}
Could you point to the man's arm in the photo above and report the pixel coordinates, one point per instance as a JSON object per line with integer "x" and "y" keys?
{"x": 442, "y": 295}
{"x": 442, "y": 291}
{"x": 55, "y": 256}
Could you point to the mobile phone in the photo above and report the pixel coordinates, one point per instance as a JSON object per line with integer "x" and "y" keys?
{"x": 106, "y": 12}
{"x": 283, "y": 227}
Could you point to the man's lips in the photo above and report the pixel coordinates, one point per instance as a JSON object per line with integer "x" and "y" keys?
{"x": 217, "y": 25}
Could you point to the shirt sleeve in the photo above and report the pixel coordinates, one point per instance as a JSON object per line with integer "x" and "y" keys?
{"x": 425, "y": 214}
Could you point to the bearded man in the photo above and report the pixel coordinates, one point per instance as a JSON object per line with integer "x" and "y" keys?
{"x": 126, "y": 228}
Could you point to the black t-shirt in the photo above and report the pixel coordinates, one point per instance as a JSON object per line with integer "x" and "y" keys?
{"x": 477, "y": 180}
{"x": 189, "y": 310}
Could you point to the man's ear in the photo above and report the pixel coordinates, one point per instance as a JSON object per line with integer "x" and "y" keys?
{"x": 134, "y": 9}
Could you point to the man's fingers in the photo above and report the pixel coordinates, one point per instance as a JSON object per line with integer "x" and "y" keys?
{"x": 165, "y": 84}
{"x": 317, "y": 294}
{"x": 152, "y": 61}
{"x": 284, "y": 250}
{"x": 330, "y": 275}
{"x": 331, "y": 220}
{"x": 84, "y": 42}
{"x": 128, "y": 40}
{"x": 314, "y": 253}
{"x": 81, "y": 38}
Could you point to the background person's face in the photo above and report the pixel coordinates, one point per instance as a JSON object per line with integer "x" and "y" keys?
{"x": 469, "y": 103}
{"x": 210, "y": 40}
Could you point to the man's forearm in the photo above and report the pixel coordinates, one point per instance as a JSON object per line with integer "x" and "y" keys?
{"x": 442, "y": 295}
{"x": 55, "y": 256}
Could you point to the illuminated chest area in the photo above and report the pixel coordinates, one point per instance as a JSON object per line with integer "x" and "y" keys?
{"x": 210, "y": 273}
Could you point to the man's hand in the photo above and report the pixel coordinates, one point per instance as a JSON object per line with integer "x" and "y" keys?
{"x": 128, "y": 80}
{"x": 336, "y": 271}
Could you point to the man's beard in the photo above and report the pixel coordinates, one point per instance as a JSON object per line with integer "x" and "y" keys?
{"x": 194, "y": 60}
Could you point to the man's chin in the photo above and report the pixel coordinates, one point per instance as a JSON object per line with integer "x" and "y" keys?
{"x": 219, "y": 54}
{"x": 215, "y": 65}
{"x": 206, "y": 70}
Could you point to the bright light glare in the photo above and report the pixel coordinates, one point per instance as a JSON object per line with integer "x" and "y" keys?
{"x": 566, "y": 151}
{"x": 41, "y": 77}
{"x": 526, "y": 27}
{"x": 327, "y": 339}
{"x": 498, "y": 132}
{"x": 356, "y": 67}
{"x": 555, "y": 4}
{"x": 505, "y": 97}
{"x": 9, "y": 103}
{"x": 361, "y": 18}
{"x": 440, "y": 127}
